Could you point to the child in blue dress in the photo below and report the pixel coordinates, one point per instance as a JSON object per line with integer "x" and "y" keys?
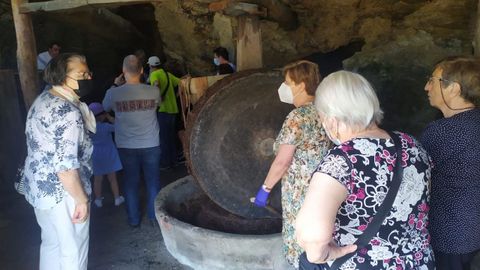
{"x": 105, "y": 157}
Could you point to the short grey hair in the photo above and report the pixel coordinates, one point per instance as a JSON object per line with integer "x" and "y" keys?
{"x": 132, "y": 65}
{"x": 349, "y": 98}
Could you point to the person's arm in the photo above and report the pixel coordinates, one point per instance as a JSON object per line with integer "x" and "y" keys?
{"x": 119, "y": 80}
{"x": 153, "y": 79}
{"x": 155, "y": 83}
{"x": 66, "y": 162}
{"x": 72, "y": 184}
{"x": 289, "y": 137}
{"x": 110, "y": 118}
{"x": 316, "y": 219}
{"x": 280, "y": 165}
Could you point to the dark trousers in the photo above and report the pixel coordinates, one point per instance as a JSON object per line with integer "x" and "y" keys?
{"x": 447, "y": 261}
{"x": 168, "y": 142}
{"x": 304, "y": 264}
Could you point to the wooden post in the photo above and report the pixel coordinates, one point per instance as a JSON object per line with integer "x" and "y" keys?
{"x": 26, "y": 53}
{"x": 476, "y": 41}
{"x": 249, "y": 43}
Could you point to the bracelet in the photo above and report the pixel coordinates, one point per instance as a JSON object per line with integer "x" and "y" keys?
{"x": 115, "y": 85}
{"x": 266, "y": 188}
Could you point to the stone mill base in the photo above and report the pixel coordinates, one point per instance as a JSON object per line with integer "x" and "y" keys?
{"x": 204, "y": 249}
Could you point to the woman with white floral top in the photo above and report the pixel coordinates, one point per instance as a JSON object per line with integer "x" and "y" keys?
{"x": 352, "y": 180}
{"x": 58, "y": 168}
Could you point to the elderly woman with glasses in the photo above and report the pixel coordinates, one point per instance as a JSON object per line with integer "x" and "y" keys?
{"x": 57, "y": 169}
{"x": 454, "y": 145}
{"x": 352, "y": 181}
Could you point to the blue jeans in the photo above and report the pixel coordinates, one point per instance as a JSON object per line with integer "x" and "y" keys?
{"x": 168, "y": 143}
{"x": 133, "y": 161}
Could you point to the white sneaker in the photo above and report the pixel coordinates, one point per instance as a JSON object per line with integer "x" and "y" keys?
{"x": 119, "y": 200}
{"x": 99, "y": 202}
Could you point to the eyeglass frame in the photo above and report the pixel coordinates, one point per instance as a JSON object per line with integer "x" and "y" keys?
{"x": 440, "y": 79}
{"x": 85, "y": 75}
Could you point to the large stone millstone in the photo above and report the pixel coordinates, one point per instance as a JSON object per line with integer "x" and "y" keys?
{"x": 230, "y": 139}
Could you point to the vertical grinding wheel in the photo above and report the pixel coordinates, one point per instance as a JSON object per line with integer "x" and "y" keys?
{"x": 230, "y": 137}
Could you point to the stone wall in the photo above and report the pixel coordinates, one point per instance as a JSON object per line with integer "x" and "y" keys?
{"x": 190, "y": 31}
{"x": 402, "y": 39}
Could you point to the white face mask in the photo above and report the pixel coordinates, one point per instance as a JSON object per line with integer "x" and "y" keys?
{"x": 285, "y": 93}
{"x": 334, "y": 140}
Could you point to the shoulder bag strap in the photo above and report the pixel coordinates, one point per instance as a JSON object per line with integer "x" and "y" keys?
{"x": 164, "y": 93}
{"x": 383, "y": 210}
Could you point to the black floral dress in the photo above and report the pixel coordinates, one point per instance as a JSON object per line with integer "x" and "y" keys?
{"x": 365, "y": 167}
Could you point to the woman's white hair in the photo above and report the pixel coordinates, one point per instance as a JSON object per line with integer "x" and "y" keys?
{"x": 349, "y": 98}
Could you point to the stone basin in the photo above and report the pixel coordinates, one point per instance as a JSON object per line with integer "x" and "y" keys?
{"x": 203, "y": 239}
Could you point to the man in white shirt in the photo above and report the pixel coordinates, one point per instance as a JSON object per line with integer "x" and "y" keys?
{"x": 44, "y": 58}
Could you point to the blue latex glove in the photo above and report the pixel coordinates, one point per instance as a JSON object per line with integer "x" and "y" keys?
{"x": 262, "y": 197}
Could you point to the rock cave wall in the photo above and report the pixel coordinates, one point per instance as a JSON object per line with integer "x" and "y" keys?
{"x": 402, "y": 39}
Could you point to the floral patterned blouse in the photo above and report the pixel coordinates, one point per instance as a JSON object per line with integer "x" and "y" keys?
{"x": 303, "y": 129}
{"x": 365, "y": 167}
{"x": 56, "y": 141}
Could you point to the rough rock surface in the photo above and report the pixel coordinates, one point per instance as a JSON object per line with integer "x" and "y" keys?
{"x": 402, "y": 39}
{"x": 189, "y": 30}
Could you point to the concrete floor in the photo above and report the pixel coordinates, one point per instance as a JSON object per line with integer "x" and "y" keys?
{"x": 113, "y": 244}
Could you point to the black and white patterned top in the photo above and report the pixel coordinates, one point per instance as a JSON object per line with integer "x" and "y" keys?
{"x": 365, "y": 167}
{"x": 454, "y": 145}
{"x": 56, "y": 141}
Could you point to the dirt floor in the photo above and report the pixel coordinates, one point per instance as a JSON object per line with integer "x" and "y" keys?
{"x": 113, "y": 244}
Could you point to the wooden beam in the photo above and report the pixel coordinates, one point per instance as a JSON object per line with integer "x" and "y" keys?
{"x": 57, "y": 5}
{"x": 249, "y": 43}
{"x": 26, "y": 54}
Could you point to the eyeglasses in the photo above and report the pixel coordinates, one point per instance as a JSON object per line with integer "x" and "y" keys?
{"x": 83, "y": 75}
{"x": 87, "y": 75}
{"x": 431, "y": 78}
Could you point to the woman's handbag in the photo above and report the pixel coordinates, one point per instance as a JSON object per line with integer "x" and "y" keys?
{"x": 374, "y": 226}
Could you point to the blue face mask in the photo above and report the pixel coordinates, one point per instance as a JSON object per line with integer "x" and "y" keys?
{"x": 216, "y": 61}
